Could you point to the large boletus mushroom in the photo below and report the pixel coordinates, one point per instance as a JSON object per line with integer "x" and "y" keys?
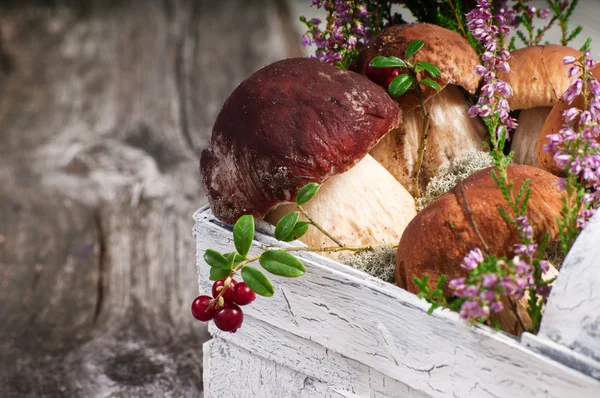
{"x": 452, "y": 133}
{"x": 298, "y": 121}
{"x": 439, "y": 237}
{"x": 538, "y": 79}
{"x": 554, "y": 123}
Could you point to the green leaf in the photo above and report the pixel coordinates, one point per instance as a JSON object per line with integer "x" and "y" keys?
{"x": 387, "y": 62}
{"x": 299, "y": 230}
{"x": 286, "y": 225}
{"x": 586, "y": 45}
{"x": 257, "y": 281}
{"x": 243, "y": 234}
{"x": 430, "y": 68}
{"x": 307, "y": 192}
{"x": 218, "y": 273}
{"x": 216, "y": 259}
{"x": 574, "y": 33}
{"x": 233, "y": 259}
{"x": 400, "y": 85}
{"x": 431, "y": 84}
{"x": 413, "y": 47}
{"x": 281, "y": 263}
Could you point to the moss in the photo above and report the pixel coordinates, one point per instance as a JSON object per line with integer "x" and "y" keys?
{"x": 449, "y": 175}
{"x": 380, "y": 262}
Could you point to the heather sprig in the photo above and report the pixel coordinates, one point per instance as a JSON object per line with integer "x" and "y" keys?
{"x": 577, "y": 152}
{"x": 490, "y": 278}
{"x": 348, "y": 26}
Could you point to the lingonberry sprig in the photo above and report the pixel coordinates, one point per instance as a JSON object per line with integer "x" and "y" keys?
{"x": 228, "y": 294}
{"x": 386, "y": 72}
{"x": 577, "y": 152}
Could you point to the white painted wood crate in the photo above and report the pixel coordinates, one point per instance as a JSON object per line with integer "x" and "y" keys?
{"x": 338, "y": 332}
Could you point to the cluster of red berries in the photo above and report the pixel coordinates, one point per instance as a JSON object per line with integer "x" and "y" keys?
{"x": 381, "y": 76}
{"x": 223, "y": 307}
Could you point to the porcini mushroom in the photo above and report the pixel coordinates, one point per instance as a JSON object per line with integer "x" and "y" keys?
{"x": 439, "y": 237}
{"x": 538, "y": 78}
{"x": 554, "y": 123}
{"x": 452, "y": 132}
{"x": 298, "y": 121}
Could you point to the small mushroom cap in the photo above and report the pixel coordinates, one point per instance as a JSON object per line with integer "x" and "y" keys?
{"x": 446, "y": 49}
{"x": 553, "y": 124}
{"x": 537, "y": 75}
{"x": 292, "y": 122}
{"x": 439, "y": 237}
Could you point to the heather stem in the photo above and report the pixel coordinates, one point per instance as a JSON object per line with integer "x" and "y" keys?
{"x": 458, "y": 20}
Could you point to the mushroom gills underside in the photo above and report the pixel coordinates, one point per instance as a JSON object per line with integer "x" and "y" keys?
{"x": 527, "y": 134}
{"x": 452, "y": 133}
{"x": 364, "y": 205}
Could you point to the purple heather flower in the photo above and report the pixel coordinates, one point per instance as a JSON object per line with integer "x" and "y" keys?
{"x": 359, "y": 29}
{"x": 570, "y": 114}
{"x": 305, "y": 41}
{"x": 543, "y": 291}
{"x": 543, "y": 13}
{"x": 472, "y": 310}
{"x": 496, "y": 306}
{"x": 568, "y": 60}
{"x": 544, "y": 266}
{"x": 457, "y": 284}
{"x": 487, "y": 296}
{"x": 473, "y": 259}
{"x": 489, "y": 280}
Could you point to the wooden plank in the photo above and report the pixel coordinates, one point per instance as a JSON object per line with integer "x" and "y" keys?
{"x": 387, "y": 329}
{"x": 310, "y": 360}
{"x": 571, "y": 318}
{"x": 104, "y": 107}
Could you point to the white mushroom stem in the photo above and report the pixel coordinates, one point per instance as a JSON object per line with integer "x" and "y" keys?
{"x": 364, "y": 205}
{"x": 526, "y": 136}
{"x": 452, "y": 133}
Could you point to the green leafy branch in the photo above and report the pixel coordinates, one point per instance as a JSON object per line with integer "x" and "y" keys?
{"x": 277, "y": 261}
{"x": 412, "y": 80}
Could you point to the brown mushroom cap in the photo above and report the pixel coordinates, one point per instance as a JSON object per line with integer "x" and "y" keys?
{"x": 444, "y": 48}
{"x": 292, "y": 122}
{"x": 537, "y": 75}
{"x": 553, "y": 124}
{"x": 439, "y": 237}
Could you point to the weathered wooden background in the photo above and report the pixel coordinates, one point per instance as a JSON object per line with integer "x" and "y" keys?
{"x": 104, "y": 108}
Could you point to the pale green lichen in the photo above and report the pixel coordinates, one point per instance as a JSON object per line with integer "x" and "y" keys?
{"x": 379, "y": 262}
{"x": 554, "y": 254}
{"x": 449, "y": 175}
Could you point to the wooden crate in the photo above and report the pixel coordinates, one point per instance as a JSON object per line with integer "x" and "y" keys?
{"x": 338, "y": 332}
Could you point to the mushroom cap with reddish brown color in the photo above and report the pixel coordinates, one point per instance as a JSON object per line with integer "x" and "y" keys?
{"x": 444, "y": 48}
{"x": 439, "y": 237}
{"x": 554, "y": 123}
{"x": 292, "y": 122}
{"x": 537, "y": 75}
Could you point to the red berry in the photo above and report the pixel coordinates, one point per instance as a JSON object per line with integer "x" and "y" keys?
{"x": 228, "y": 293}
{"x": 202, "y": 308}
{"x": 381, "y": 76}
{"x": 392, "y": 76}
{"x": 229, "y": 318}
{"x": 242, "y": 294}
